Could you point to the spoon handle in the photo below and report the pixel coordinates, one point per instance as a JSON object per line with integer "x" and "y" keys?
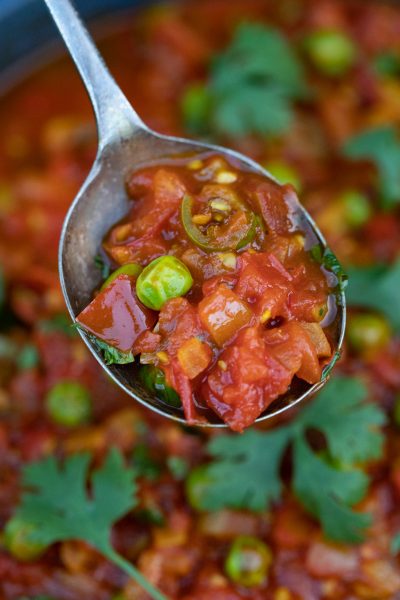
{"x": 115, "y": 116}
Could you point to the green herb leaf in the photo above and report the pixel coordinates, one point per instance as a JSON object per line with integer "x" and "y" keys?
{"x": 376, "y": 287}
{"x": 381, "y": 146}
{"x": 57, "y": 503}
{"x": 244, "y": 472}
{"x": 350, "y": 425}
{"x": 112, "y": 356}
{"x": 251, "y": 87}
{"x": 241, "y": 475}
{"x": 326, "y": 258}
{"x": 327, "y": 493}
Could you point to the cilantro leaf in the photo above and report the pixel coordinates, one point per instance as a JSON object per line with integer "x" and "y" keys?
{"x": 240, "y": 477}
{"x": 326, "y": 258}
{"x": 376, "y": 287}
{"x": 327, "y": 493}
{"x": 244, "y": 111}
{"x": 57, "y": 504}
{"x": 350, "y": 426}
{"x": 244, "y": 471}
{"x": 381, "y": 146}
{"x": 111, "y": 355}
{"x": 251, "y": 87}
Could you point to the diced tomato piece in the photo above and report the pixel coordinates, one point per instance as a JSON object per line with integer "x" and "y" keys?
{"x": 271, "y": 201}
{"x": 177, "y": 379}
{"x": 146, "y": 342}
{"x": 210, "y": 286}
{"x": 307, "y": 306}
{"x": 318, "y": 339}
{"x": 153, "y": 211}
{"x": 116, "y": 316}
{"x": 292, "y": 347}
{"x": 142, "y": 250}
{"x": 178, "y": 321}
{"x": 223, "y": 314}
{"x": 140, "y": 182}
{"x": 194, "y": 356}
{"x": 264, "y": 283}
{"x": 245, "y": 380}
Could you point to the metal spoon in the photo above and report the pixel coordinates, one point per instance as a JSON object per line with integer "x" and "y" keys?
{"x": 125, "y": 142}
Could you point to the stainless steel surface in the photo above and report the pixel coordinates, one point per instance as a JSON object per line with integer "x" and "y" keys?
{"x": 125, "y": 143}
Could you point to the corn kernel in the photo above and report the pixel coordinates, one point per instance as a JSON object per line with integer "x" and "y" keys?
{"x": 201, "y": 219}
{"x": 218, "y": 217}
{"x": 221, "y": 205}
{"x": 228, "y": 259}
{"x": 225, "y": 177}
{"x": 162, "y": 357}
{"x": 222, "y": 365}
{"x": 299, "y": 239}
{"x": 194, "y": 165}
{"x": 265, "y": 316}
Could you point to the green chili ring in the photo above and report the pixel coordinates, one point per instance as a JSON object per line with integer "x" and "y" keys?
{"x": 235, "y": 242}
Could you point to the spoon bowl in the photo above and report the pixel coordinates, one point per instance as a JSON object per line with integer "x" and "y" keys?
{"x": 126, "y": 144}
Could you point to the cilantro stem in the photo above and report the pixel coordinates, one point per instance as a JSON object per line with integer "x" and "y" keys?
{"x": 130, "y": 570}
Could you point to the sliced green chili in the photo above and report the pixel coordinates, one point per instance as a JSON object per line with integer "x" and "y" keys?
{"x": 234, "y": 238}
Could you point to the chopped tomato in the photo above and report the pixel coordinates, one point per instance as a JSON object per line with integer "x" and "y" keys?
{"x": 245, "y": 380}
{"x": 194, "y": 356}
{"x": 270, "y": 200}
{"x": 292, "y": 347}
{"x": 116, "y": 316}
{"x": 154, "y": 209}
{"x": 223, "y": 314}
{"x": 318, "y": 339}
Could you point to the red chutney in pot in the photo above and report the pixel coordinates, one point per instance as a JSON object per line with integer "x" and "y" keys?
{"x": 231, "y": 305}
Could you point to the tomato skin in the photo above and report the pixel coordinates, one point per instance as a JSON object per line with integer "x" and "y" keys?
{"x": 116, "y": 316}
{"x": 251, "y": 380}
{"x": 178, "y": 322}
{"x": 167, "y": 194}
{"x": 177, "y": 379}
{"x": 269, "y": 199}
{"x": 293, "y": 348}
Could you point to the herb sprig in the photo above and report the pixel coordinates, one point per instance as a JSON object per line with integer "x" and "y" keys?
{"x": 376, "y": 287}
{"x": 57, "y": 504}
{"x": 244, "y": 471}
{"x": 380, "y": 145}
{"x": 251, "y": 87}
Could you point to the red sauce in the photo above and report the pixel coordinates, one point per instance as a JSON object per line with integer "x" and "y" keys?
{"x": 237, "y": 233}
